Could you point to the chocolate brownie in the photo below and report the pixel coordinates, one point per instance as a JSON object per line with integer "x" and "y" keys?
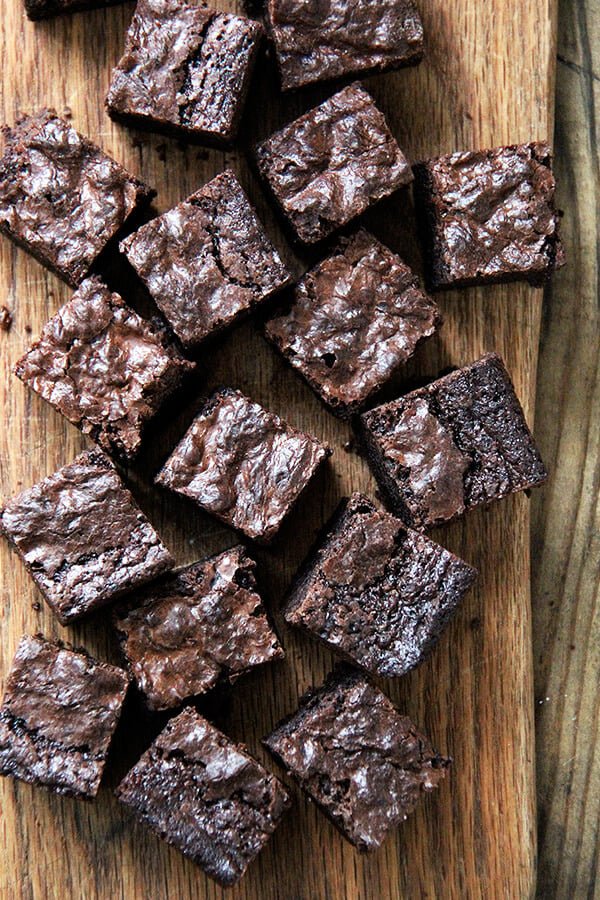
{"x": 202, "y": 625}
{"x": 44, "y": 9}
{"x": 82, "y": 537}
{"x": 206, "y": 796}
{"x": 207, "y": 261}
{"x": 103, "y": 367}
{"x": 332, "y": 163}
{"x": 489, "y": 216}
{"x": 61, "y": 197}
{"x": 186, "y": 69}
{"x": 243, "y": 464}
{"x": 58, "y": 716}
{"x": 357, "y": 757}
{"x": 353, "y": 321}
{"x": 317, "y": 41}
{"x": 457, "y": 443}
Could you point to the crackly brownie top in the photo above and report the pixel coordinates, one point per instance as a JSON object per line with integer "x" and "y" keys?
{"x": 205, "y": 796}
{"x": 355, "y": 318}
{"x": 206, "y": 260}
{"x": 200, "y": 625}
{"x": 103, "y": 367}
{"x": 333, "y": 162}
{"x": 364, "y": 764}
{"x": 61, "y": 195}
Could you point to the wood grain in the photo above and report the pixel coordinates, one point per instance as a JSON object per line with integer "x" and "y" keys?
{"x": 487, "y": 79}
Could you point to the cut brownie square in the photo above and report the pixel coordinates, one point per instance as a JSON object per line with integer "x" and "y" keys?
{"x": 45, "y": 9}
{"x": 332, "y": 163}
{"x": 376, "y": 591}
{"x": 453, "y": 445}
{"x": 363, "y": 763}
{"x": 206, "y": 796}
{"x": 186, "y": 69}
{"x": 207, "y": 261}
{"x": 58, "y": 716}
{"x": 103, "y": 367}
{"x": 195, "y": 628}
{"x": 489, "y": 216}
{"x": 61, "y": 197}
{"x": 354, "y": 320}
{"x": 82, "y": 537}
{"x": 243, "y": 464}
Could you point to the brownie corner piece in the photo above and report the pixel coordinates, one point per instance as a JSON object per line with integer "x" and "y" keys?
{"x": 205, "y": 796}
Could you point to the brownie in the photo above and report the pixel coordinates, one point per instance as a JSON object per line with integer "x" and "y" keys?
{"x": 61, "y": 197}
{"x": 316, "y": 41}
{"x": 103, "y": 367}
{"x": 207, "y": 261}
{"x": 457, "y": 443}
{"x": 352, "y": 752}
{"x": 44, "y": 9}
{"x": 206, "y": 796}
{"x": 186, "y": 69}
{"x": 375, "y": 591}
{"x": 354, "y": 320}
{"x": 332, "y": 163}
{"x": 58, "y": 716}
{"x": 489, "y": 216}
{"x": 82, "y": 537}
{"x": 202, "y": 625}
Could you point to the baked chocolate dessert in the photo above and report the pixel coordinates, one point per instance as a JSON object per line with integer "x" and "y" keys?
{"x": 45, "y": 9}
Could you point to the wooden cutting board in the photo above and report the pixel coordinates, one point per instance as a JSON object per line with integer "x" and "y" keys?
{"x": 487, "y": 79}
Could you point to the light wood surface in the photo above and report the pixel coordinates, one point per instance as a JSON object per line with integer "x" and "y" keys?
{"x": 487, "y": 79}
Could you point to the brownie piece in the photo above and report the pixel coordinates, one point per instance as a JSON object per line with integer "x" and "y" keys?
{"x": 453, "y": 445}
{"x": 206, "y": 796}
{"x": 202, "y": 625}
{"x": 82, "y": 537}
{"x": 489, "y": 216}
{"x": 45, "y": 9}
{"x": 357, "y": 757}
{"x": 103, "y": 367}
{"x": 58, "y": 716}
{"x": 332, "y": 163}
{"x": 186, "y": 69}
{"x": 317, "y": 41}
{"x": 207, "y": 261}
{"x": 61, "y": 197}
{"x": 354, "y": 320}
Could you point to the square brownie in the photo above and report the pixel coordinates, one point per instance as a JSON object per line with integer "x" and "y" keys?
{"x": 206, "y": 796}
{"x": 82, "y": 537}
{"x": 489, "y": 216}
{"x": 207, "y": 261}
{"x": 457, "y": 443}
{"x": 332, "y": 163}
{"x": 103, "y": 367}
{"x": 186, "y": 70}
{"x": 363, "y": 763}
{"x": 198, "y": 627}
{"x": 354, "y": 320}
{"x": 61, "y": 197}
{"x": 45, "y": 9}
{"x": 375, "y": 591}
{"x": 58, "y": 716}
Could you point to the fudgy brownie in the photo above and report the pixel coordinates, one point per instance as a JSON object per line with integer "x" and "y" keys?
{"x": 450, "y": 446}
{"x": 353, "y": 321}
{"x": 103, "y": 367}
{"x": 317, "y": 41}
{"x": 45, "y": 9}
{"x": 185, "y": 69}
{"x": 207, "y": 261}
{"x": 357, "y": 757}
{"x": 375, "y": 591}
{"x": 82, "y": 537}
{"x": 332, "y": 163}
{"x": 58, "y": 716}
{"x": 61, "y": 197}
{"x": 489, "y": 216}
{"x": 202, "y": 625}
{"x": 206, "y": 796}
